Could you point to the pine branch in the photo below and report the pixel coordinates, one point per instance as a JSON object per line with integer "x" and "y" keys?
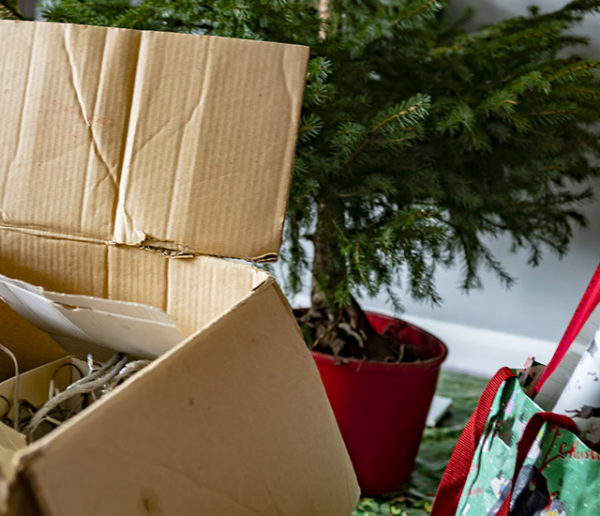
{"x": 580, "y": 144}
{"x": 572, "y": 69}
{"x": 10, "y": 11}
{"x": 413, "y": 12}
{"x": 419, "y": 108}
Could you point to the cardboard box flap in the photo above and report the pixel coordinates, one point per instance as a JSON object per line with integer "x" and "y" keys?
{"x": 171, "y": 140}
{"x": 233, "y": 422}
{"x": 84, "y": 324}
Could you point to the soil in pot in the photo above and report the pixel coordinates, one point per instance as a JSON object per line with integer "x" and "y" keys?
{"x": 349, "y": 333}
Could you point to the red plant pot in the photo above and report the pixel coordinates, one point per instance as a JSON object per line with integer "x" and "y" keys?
{"x": 382, "y": 408}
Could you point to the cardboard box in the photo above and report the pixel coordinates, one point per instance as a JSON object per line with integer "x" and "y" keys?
{"x": 131, "y": 164}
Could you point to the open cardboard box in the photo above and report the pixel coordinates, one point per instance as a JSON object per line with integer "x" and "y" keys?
{"x": 131, "y": 164}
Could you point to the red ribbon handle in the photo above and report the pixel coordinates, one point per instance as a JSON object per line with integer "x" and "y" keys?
{"x": 588, "y": 302}
{"x": 452, "y": 483}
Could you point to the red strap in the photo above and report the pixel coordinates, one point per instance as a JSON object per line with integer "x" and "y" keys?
{"x": 588, "y": 302}
{"x": 453, "y": 481}
{"x": 529, "y": 435}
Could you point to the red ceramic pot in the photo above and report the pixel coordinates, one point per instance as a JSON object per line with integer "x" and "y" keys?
{"x": 381, "y": 408}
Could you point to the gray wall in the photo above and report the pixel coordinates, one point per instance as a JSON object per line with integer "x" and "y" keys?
{"x": 488, "y": 11}
{"x": 541, "y": 302}
{"x": 27, "y": 7}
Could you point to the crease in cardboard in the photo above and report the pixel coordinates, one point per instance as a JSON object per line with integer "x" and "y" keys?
{"x": 200, "y": 105}
{"x": 294, "y": 96}
{"x": 275, "y": 506}
{"x": 11, "y": 442}
{"x": 288, "y": 308}
{"x": 18, "y": 497}
{"x": 107, "y": 273}
{"x": 24, "y": 497}
{"x": 96, "y": 184}
{"x": 124, "y": 230}
{"x": 168, "y": 248}
{"x": 44, "y": 233}
{"x": 76, "y": 83}
{"x": 166, "y": 292}
{"x": 198, "y": 108}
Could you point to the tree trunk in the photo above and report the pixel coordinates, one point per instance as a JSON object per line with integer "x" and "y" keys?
{"x": 345, "y": 330}
{"x": 324, "y": 15}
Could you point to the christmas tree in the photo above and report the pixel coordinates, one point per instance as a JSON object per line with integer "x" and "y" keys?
{"x": 418, "y": 141}
{"x": 9, "y": 10}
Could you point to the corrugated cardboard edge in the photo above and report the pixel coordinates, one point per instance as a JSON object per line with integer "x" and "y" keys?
{"x": 192, "y": 291}
{"x": 58, "y": 452}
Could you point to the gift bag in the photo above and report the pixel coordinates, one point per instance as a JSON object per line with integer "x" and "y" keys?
{"x": 515, "y": 457}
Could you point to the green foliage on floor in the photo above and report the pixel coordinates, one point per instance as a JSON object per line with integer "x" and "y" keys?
{"x": 415, "y": 498}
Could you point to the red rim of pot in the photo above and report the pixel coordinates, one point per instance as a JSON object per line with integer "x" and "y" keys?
{"x": 391, "y": 367}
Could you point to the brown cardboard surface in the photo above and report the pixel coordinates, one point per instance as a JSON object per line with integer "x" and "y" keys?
{"x": 60, "y": 265}
{"x": 114, "y": 140}
{"x": 193, "y": 292}
{"x": 174, "y": 140}
{"x": 31, "y": 346}
{"x": 10, "y": 442}
{"x": 234, "y": 421}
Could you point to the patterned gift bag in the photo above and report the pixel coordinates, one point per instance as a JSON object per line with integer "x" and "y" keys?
{"x": 515, "y": 458}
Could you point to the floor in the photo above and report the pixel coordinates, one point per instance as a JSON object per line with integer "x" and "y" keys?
{"x": 415, "y": 498}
